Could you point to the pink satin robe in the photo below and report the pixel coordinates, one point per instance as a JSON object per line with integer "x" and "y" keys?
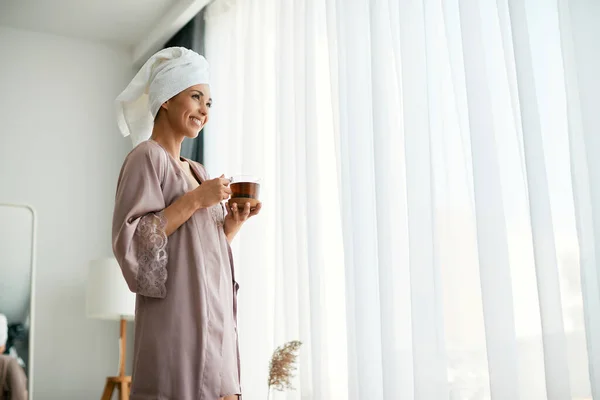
{"x": 186, "y": 345}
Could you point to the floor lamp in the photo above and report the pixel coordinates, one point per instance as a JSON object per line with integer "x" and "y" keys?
{"x": 109, "y": 298}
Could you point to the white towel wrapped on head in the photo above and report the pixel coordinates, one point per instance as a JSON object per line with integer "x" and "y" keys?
{"x": 165, "y": 74}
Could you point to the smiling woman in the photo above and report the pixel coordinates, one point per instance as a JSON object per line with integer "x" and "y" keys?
{"x": 186, "y": 344}
{"x": 18, "y": 247}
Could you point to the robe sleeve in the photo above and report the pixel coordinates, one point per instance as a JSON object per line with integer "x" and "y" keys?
{"x": 139, "y": 224}
{"x": 17, "y": 381}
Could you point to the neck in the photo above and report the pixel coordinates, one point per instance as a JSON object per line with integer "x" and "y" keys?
{"x": 167, "y": 138}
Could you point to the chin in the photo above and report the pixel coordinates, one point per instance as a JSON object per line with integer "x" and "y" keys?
{"x": 192, "y": 134}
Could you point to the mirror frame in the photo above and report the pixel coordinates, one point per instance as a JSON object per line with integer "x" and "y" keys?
{"x": 32, "y": 289}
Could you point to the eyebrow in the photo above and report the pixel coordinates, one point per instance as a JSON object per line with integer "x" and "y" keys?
{"x": 202, "y": 94}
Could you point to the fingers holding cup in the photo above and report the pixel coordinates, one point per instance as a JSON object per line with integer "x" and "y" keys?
{"x": 231, "y": 210}
{"x": 246, "y": 212}
{"x": 255, "y": 210}
{"x": 236, "y": 212}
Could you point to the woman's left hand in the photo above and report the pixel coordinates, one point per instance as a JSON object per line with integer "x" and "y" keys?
{"x": 235, "y": 218}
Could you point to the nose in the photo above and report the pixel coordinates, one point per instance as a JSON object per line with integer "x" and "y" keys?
{"x": 203, "y": 110}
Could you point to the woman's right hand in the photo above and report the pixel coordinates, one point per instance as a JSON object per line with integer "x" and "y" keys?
{"x": 212, "y": 192}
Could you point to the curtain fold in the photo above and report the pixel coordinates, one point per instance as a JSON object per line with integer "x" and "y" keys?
{"x": 430, "y": 220}
{"x": 581, "y": 61}
{"x": 542, "y": 225}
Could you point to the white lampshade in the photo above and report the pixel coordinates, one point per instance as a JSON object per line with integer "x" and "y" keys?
{"x": 108, "y": 296}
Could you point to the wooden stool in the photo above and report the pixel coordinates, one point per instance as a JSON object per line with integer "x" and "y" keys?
{"x": 122, "y": 383}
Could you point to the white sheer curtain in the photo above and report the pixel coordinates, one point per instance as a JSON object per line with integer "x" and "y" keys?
{"x": 431, "y": 197}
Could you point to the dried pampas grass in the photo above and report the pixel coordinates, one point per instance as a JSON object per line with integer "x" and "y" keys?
{"x": 283, "y": 365}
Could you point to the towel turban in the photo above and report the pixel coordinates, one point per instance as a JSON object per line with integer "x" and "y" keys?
{"x": 165, "y": 74}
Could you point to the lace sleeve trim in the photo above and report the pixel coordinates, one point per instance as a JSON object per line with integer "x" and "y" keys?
{"x": 218, "y": 213}
{"x": 152, "y": 255}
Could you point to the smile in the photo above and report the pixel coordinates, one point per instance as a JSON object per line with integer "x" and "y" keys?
{"x": 196, "y": 121}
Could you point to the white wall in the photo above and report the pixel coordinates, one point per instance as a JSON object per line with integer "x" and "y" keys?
{"x": 60, "y": 151}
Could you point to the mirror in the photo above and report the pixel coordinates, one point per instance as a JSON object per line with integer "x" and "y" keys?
{"x": 17, "y": 266}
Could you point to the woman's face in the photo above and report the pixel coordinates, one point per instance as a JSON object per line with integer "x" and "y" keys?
{"x": 188, "y": 111}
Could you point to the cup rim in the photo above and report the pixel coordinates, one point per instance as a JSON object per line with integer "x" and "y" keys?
{"x": 244, "y": 179}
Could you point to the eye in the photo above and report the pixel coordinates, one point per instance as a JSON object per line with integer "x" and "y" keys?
{"x": 196, "y": 96}
{"x": 209, "y": 105}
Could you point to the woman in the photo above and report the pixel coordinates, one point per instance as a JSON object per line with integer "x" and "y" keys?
{"x": 171, "y": 237}
{"x": 13, "y": 382}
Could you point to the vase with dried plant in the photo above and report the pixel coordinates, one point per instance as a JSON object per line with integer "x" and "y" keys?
{"x": 282, "y": 366}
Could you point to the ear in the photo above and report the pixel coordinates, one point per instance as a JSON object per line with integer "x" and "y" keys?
{"x": 165, "y": 105}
